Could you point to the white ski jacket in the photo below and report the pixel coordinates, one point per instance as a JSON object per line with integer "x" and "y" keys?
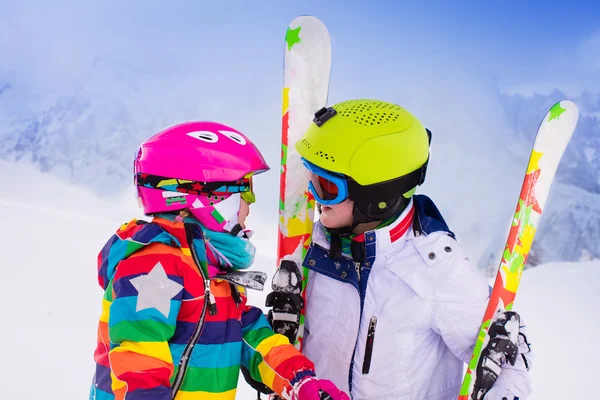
{"x": 406, "y": 326}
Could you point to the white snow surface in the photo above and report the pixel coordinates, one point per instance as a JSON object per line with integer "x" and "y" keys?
{"x": 52, "y": 233}
{"x": 559, "y": 303}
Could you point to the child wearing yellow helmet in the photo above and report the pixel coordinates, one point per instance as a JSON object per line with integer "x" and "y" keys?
{"x": 393, "y": 304}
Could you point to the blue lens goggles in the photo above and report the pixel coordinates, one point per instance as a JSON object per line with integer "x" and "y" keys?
{"x": 327, "y": 187}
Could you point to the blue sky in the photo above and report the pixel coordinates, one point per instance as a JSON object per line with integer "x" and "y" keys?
{"x": 523, "y": 45}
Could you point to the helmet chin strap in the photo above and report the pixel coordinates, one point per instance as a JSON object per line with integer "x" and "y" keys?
{"x": 228, "y": 210}
{"x": 238, "y": 230}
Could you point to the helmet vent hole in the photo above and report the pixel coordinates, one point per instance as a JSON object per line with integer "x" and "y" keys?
{"x": 371, "y": 114}
{"x": 306, "y": 143}
{"x": 326, "y": 156}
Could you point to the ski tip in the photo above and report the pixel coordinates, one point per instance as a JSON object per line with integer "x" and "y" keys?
{"x": 564, "y": 109}
{"x": 308, "y": 22}
{"x": 561, "y": 117}
{"x": 308, "y": 34}
{"x": 307, "y": 18}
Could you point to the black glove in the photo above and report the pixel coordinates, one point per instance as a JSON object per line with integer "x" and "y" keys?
{"x": 286, "y": 300}
{"x": 502, "y": 347}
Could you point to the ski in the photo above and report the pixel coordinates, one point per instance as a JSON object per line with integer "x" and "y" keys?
{"x": 307, "y": 69}
{"x": 552, "y": 138}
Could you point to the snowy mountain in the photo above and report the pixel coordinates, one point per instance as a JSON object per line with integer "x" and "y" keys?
{"x": 87, "y": 135}
{"x": 581, "y": 163}
{"x": 55, "y": 300}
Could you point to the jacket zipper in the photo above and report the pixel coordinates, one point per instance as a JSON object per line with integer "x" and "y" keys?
{"x": 357, "y": 267}
{"x": 369, "y": 348}
{"x": 209, "y": 303}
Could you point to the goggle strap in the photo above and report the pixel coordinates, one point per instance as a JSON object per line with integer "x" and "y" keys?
{"x": 387, "y": 189}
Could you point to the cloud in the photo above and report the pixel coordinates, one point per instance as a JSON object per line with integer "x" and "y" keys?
{"x": 44, "y": 46}
{"x": 571, "y": 70}
{"x": 589, "y": 55}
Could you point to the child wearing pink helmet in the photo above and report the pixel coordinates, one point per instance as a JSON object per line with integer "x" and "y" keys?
{"x": 175, "y": 323}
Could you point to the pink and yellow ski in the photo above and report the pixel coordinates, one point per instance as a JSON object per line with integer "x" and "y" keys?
{"x": 552, "y": 138}
{"x": 307, "y": 67}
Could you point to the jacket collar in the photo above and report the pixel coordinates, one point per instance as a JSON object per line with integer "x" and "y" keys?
{"x": 395, "y": 233}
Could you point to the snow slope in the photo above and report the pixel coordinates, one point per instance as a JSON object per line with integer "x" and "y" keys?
{"x": 53, "y": 232}
{"x": 559, "y": 302}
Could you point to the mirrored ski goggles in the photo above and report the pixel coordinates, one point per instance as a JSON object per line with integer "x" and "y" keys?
{"x": 242, "y": 186}
{"x": 327, "y": 187}
{"x": 249, "y": 195}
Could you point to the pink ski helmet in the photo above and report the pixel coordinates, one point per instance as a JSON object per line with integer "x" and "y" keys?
{"x": 202, "y": 166}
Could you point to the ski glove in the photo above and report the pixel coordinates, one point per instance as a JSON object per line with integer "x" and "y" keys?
{"x": 286, "y": 300}
{"x": 317, "y": 389}
{"x": 503, "y": 370}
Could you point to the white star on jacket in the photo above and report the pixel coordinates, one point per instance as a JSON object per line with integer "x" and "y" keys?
{"x": 155, "y": 290}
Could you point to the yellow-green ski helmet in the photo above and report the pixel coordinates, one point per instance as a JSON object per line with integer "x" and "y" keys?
{"x": 377, "y": 149}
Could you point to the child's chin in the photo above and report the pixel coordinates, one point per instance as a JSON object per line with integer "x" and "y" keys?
{"x": 329, "y": 222}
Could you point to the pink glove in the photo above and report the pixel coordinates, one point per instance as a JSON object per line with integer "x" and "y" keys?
{"x": 318, "y": 389}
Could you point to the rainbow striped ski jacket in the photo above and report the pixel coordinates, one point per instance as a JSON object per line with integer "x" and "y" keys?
{"x": 158, "y": 333}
